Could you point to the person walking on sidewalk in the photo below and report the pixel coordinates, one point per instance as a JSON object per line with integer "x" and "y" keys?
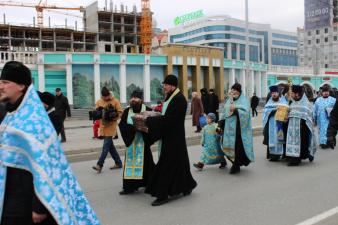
{"x": 196, "y": 111}
{"x": 213, "y": 104}
{"x": 111, "y": 112}
{"x": 62, "y": 109}
{"x": 254, "y": 104}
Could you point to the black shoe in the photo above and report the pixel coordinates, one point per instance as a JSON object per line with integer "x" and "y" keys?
{"x": 293, "y": 163}
{"x": 235, "y": 169}
{"x": 63, "y": 140}
{"x": 222, "y": 165}
{"x": 323, "y": 146}
{"x": 124, "y": 192}
{"x": 274, "y": 159}
{"x": 198, "y": 166}
{"x": 186, "y": 193}
{"x": 160, "y": 201}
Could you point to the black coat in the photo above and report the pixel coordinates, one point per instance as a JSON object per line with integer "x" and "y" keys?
{"x": 56, "y": 121}
{"x": 213, "y": 103}
{"x": 172, "y": 174}
{"x": 2, "y": 111}
{"x": 333, "y": 124}
{"x": 128, "y": 134}
{"x": 62, "y": 106}
{"x": 254, "y": 101}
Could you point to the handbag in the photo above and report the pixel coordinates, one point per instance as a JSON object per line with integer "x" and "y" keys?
{"x": 203, "y": 121}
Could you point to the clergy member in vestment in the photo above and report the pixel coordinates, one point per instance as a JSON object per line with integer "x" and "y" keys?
{"x": 321, "y": 114}
{"x": 138, "y": 161}
{"x": 333, "y": 127}
{"x": 37, "y": 184}
{"x": 172, "y": 174}
{"x": 300, "y": 140}
{"x": 237, "y": 139}
{"x": 274, "y": 131}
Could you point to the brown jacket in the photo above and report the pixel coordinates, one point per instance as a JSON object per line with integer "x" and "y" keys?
{"x": 196, "y": 110}
{"x": 109, "y": 130}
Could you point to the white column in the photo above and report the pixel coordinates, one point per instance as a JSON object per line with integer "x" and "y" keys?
{"x": 265, "y": 84}
{"x": 238, "y": 51}
{"x": 231, "y": 78}
{"x": 242, "y": 81}
{"x": 251, "y": 83}
{"x": 123, "y": 79}
{"x": 69, "y": 78}
{"x": 41, "y": 73}
{"x": 146, "y": 79}
{"x": 97, "y": 79}
{"x": 229, "y": 51}
{"x": 258, "y": 84}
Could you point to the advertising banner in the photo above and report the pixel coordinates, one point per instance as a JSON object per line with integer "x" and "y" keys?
{"x": 317, "y": 14}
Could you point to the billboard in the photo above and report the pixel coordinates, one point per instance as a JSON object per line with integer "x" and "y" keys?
{"x": 317, "y": 14}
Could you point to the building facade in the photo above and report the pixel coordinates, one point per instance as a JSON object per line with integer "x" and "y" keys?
{"x": 267, "y": 45}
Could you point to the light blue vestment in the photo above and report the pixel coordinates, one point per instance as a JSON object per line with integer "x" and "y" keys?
{"x": 275, "y": 127}
{"x": 212, "y": 149}
{"x": 229, "y": 137}
{"x": 321, "y": 116}
{"x": 29, "y": 142}
{"x": 299, "y": 110}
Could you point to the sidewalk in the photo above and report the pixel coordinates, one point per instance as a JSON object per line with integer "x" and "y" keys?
{"x": 81, "y": 146}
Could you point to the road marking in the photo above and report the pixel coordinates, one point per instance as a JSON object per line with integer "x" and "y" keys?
{"x": 320, "y": 217}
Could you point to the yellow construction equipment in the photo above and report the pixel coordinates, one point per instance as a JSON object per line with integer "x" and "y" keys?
{"x": 39, "y": 8}
{"x": 146, "y": 27}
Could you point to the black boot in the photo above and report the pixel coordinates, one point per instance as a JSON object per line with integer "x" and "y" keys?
{"x": 160, "y": 201}
{"x": 235, "y": 169}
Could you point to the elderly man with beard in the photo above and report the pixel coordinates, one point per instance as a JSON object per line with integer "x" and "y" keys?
{"x": 321, "y": 114}
{"x": 138, "y": 161}
{"x": 300, "y": 140}
{"x": 274, "y": 131}
{"x": 237, "y": 139}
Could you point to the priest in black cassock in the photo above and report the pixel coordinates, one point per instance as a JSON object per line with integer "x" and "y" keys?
{"x": 172, "y": 176}
{"x": 138, "y": 161}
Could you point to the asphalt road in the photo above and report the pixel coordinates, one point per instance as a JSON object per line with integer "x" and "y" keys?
{"x": 264, "y": 193}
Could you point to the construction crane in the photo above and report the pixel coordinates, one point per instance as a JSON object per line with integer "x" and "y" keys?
{"x": 146, "y": 27}
{"x": 39, "y": 8}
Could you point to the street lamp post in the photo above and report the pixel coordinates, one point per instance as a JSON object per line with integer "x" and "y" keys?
{"x": 247, "y": 44}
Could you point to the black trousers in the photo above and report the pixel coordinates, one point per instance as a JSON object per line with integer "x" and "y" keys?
{"x": 254, "y": 110}
{"x": 62, "y": 133}
{"x": 16, "y": 221}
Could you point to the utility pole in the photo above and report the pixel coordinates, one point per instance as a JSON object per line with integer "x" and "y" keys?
{"x": 247, "y": 42}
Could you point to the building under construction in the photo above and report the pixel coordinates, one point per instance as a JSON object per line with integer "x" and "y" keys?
{"x": 111, "y": 29}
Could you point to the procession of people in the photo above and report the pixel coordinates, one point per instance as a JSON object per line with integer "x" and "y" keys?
{"x": 36, "y": 178}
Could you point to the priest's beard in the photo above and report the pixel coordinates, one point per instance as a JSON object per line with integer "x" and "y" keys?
{"x": 276, "y": 99}
{"x": 136, "y": 106}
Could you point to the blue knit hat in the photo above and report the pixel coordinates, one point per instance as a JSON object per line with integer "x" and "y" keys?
{"x": 212, "y": 116}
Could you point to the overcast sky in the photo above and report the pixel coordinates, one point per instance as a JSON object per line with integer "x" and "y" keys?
{"x": 281, "y": 14}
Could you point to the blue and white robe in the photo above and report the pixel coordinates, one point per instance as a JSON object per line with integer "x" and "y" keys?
{"x": 321, "y": 117}
{"x": 29, "y": 142}
{"x": 230, "y": 124}
{"x": 300, "y": 110}
{"x": 211, "y": 141}
{"x": 275, "y": 132}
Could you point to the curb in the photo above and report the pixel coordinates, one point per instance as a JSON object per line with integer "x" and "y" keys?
{"x": 94, "y": 153}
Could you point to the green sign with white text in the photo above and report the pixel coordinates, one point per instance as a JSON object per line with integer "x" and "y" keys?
{"x": 188, "y": 17}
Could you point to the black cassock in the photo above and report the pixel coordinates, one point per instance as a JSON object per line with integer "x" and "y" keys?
{"x": 128, "y": 133}
{"x": 333, "y": 125}
{"x": 172, "y": 174}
